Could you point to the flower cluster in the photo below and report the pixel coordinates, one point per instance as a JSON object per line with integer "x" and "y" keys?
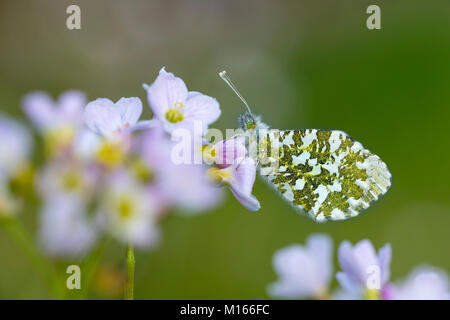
{"x": 306, "y": 272}
{"x": 107, "y": 172}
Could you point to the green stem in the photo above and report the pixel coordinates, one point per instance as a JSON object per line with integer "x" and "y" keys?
{"x": 129, "y": 285}
{"x": 42, "y": 267}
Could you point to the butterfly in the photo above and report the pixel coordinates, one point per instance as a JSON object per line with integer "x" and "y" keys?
{"x": 324, "y": 174}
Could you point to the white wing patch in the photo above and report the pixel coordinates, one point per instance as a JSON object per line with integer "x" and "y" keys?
{"x": 327, "y": 174}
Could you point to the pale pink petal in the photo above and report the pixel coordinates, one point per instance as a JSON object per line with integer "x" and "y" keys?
{"x": 384, "y": 258}
{"x": 287, "y": 261}
{"x": 241, "y": 183}
{"x": 294, "y": 268}
{"x": 348, "y": 285}
{"x": 244, "y": 177}
{"x": 165, "y": 92}
{"x": 366, "y": 258}
{"x": 320, "y": 246}
{"x": 155, "y": 147}
{"x": 229, "y": 152}
{"x": 102, "y": 117}
{"x": 71, "y": 104}
{"x": 424, "y": 283}
{"x": 86, "y": 143}
{"x": 359, "y": 261}
{"x": 348, "y": 262}
{"x": 248, "y": 201}
{"x": 143, "y": 125}
{"x": 39, "y": 107}
{"x": 187, "y": 187}
{"x": 199, "y": 107}
{"x": 197, "y": 129}
{"x": 15, "y": 145}
{"x": 145, "y": 236}
{"x": 130, "y": 110}
{"x": 64, "y": 227}
{"x": 300, "y": 273}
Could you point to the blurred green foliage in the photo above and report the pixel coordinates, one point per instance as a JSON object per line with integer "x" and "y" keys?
{"x": 300, "y": 64}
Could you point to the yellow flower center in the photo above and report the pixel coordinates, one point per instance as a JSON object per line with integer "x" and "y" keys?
{"x": 126, "y": 207}
{"x": 142, "y": 171}
{"x": 58, "y": 140}
{"x": 110, "y": 154}
{"x": 71, "y": 181}
{"x": 174, "y": 114}
{"x": 209, "y": 153}
{"x": 219, "y": 175}
{"x": 372, "y": 294}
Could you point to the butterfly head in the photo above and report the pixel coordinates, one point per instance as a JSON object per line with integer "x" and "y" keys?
{"x": 247, "y": 121}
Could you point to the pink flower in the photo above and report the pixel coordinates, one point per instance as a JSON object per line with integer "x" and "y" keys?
{"x": 233, "y": 169}
{"x": 424, "y": 283}
{"x": 127, "y": 211}
{"x": 184, "y": 186}
{"x": 365, "y": 273}
{"x": 176, "y": 107}
{"x": 187, "y": 187}
{"x": 68, "y": 178}
{"x": 57, "y": 121}
{"x": 113, "y": 124}
{"x": 15, "y": 146}
{"x": 65, "y": 229}
{"x": 48, "y": 115}
{"x": 108, "y": 119}
{"x": 240, "y": 179}
{"x": 304, "y": 271}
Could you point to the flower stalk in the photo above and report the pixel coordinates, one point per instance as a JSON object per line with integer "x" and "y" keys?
{"x": 130, "y": 265}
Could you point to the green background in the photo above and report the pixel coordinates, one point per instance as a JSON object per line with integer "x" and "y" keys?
{"x": 301, "y": 64}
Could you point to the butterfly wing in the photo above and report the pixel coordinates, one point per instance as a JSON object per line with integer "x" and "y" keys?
{"x": 324, "y": 173}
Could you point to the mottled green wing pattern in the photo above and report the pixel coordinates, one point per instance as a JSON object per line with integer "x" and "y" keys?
{"x": 326, "y": 174}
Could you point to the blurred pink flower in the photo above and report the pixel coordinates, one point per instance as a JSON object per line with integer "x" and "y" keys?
{"x": 304, "y": 271}
{"x": 65, "y": 230}
{"x": 365, "y": 273}
{"x": 15, "y": 146}
{"x": 48, "y": 115}
{"x": 184, "y": 186}
{"x": 155, "y": 147}
{"x": 177, "y": 108}
{"x": 127, "y": 211}
{"x": 424, "y": 283}
{"x": 68, "y": 178}
{"x": 187, "y": 187}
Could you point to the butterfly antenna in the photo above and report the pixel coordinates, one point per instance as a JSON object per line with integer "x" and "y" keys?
{"x": 226, "y": 78}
